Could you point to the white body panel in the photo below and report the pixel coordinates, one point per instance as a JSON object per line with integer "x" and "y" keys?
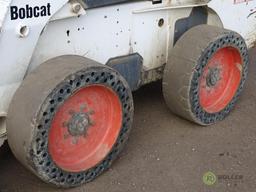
{"x": 103, "y": 33}
{"x": 4, "y": 9}
{"x": 237, "y": 15}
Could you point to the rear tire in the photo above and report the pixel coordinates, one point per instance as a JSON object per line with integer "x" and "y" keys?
{"x": 205, "y": 74}
{"x": 69, "y": 120}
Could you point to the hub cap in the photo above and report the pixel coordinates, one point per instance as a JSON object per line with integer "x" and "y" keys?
{"x": 85, "y": 128}
{"x": 221, "y": 79}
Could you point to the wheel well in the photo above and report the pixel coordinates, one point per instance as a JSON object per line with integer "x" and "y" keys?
{"x": 198, "y": 16}
{"x": 213, "y": 18}
{"x": 2, "y": 126}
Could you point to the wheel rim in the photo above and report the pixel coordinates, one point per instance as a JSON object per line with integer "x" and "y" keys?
{"x": 85, "y": 128}
{"x": 220, "y": 80}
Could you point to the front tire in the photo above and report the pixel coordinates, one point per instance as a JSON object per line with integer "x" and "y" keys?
{"x": 69, "y": 120}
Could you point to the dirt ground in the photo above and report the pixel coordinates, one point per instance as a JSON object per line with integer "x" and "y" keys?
{"x": 167, "y": 153}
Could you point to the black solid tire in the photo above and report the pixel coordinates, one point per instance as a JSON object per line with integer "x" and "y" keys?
{"x": 185, "y": 66}
{"x": 32, "y": 110}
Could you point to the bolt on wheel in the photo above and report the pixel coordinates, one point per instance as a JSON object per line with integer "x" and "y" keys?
{"x": 205, "y": 74}
{"x": 74, "y": 122}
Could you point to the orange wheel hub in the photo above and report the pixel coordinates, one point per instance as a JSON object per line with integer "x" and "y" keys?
{"x": 85, "y": 128}
{"x": 221, "y": 79}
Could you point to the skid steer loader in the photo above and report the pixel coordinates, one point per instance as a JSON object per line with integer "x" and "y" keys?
{"x": 68, "y": 69}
